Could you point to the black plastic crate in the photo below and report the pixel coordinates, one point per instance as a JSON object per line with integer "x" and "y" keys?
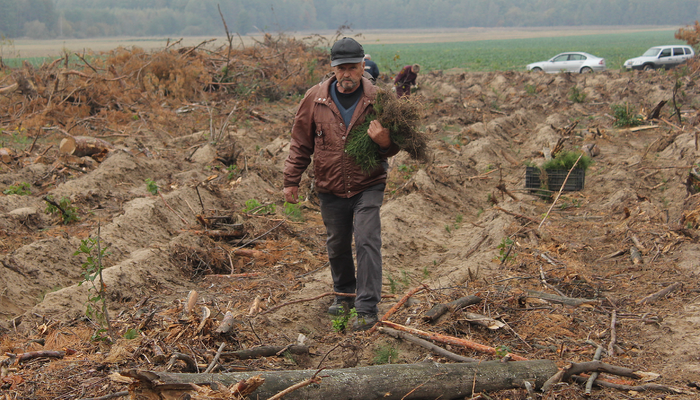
{"x": 555, "y": 178}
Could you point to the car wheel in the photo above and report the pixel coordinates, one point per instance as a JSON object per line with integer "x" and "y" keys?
{"x": 586, "y": 70}
{"x": 536, "y": 69}
{"x": 648, "y": 67}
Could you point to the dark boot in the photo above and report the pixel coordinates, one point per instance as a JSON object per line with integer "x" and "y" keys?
{"x": 364, "y": 321}
{"x": 341, "y": 305}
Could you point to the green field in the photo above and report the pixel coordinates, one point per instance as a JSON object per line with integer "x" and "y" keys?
{"x": 515, "y": 54}
{"x": 475, "y": 53}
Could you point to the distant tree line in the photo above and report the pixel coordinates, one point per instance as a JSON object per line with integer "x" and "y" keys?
{"x": 95, "y": 18}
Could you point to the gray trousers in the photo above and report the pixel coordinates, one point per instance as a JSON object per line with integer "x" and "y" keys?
{"x": 358, "y": 215}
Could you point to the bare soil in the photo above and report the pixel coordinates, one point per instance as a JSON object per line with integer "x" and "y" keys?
{"x": 212, "y": 148}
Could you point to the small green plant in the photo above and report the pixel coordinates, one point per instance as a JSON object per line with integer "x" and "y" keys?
{"x": 289, "y": 357}
{"x": 96, "y": 304}
{"x": 405, "y": 278}
{"x": 68, "y": 212}
{"x": 448, "y": 228}
{"x": 340, "y": 322}
{"x": 426, "y": 272}
{"x": 450, "y": 140}
{"x": 570, "y": 203}
{"x": 407, "y": 170}
{"x": 502, "y": 351}
{"x": 254, "y": 206}
{"x": 576, "y": 95}
{"x": 504, "y": 250}
{"x": 530, "y": 89}
{"x": 293, "y": 211}
{"x": 232, "y": 171}
{"x": 458, "y": 221}
{"x": 131, "y": 333}
{"x": 385, "y": 354}
{"x": 566, "y": 159}
{"x": 625, "y": 116}
{"x": 151, "y": 186}
{"x": 251, "y": 204}
{"x": 394, "y": 284}
{"x": 21, "y": 189}
{"x": 479, "y": 212}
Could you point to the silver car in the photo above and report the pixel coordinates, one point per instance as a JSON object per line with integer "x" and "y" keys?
{"x": 661, "y": 57}
{"x": 576, "y": 61}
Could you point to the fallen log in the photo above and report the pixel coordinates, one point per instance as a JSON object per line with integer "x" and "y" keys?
{"x": 30, "y": 355}
{"x": 663, "y": 292}
{"x": 81, "y": 146}
{"x": 264, "y": 351}
{"x": 235, "y": 233}
{"x": 439, "y": 309}
{"x": 417, "y": 381}
{"x": 9, "y": 89}
{"x": 569, "y": 301}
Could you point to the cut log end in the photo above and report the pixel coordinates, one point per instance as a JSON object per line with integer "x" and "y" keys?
{"x": 81, "y": 146}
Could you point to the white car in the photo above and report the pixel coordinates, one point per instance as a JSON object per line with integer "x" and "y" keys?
{"x": 570, "y": 62}
{"x": 661, "y": 57}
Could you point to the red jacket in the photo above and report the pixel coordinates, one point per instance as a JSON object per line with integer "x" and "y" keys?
{"x": 406, "y": 77}
{"x": 319, "y": 130}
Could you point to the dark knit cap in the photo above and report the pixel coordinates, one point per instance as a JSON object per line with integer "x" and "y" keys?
{"x": 346, "y": 51}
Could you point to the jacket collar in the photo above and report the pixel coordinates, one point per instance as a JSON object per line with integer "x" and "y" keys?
{"x": 324, "y": 94}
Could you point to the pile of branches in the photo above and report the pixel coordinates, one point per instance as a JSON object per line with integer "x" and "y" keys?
{"x": 122, "y": 85}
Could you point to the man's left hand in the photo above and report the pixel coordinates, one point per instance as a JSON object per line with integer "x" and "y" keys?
{"x": 379, "y": 134}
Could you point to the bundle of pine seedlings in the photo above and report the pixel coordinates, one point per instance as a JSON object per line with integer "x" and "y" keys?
{"x": 401, "y": 117}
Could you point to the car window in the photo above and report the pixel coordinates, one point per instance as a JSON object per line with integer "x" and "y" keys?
{"x": 577, "y": 57}
{"x": 678, "y": 51}
{"x": 665, "y": 53}
{"x": 561, "y": 58}
{"x": 688, "y": 50}
{"x": 651, "y": 52}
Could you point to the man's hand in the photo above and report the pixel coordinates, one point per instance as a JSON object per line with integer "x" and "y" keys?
{"x": 379, "y": 134}
{"x": 291, "y": 194}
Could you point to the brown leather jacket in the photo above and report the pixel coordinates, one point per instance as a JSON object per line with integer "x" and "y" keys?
{"x": 319, "y": 130}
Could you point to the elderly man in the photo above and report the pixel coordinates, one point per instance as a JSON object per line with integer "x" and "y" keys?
{"x": 350, "y": 197}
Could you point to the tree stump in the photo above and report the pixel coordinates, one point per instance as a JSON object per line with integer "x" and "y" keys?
{"x": 81, "y": 146}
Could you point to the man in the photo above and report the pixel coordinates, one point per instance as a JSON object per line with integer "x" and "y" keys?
{"x": 371, "y": 67}
{"x": 350, "y": 198}
{"x": 405, "y": 78}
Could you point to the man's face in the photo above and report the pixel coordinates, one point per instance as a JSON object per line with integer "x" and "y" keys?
{"x": 349, "y": 76}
